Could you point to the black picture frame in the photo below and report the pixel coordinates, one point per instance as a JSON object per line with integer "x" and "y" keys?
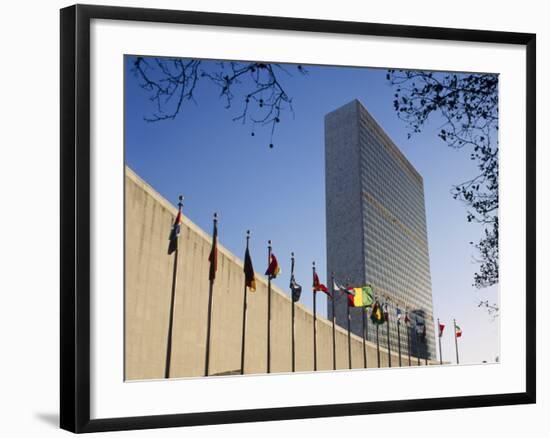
{"x": 75, "y": 217}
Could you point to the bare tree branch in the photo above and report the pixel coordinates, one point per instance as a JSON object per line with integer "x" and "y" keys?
{"x": 468, "y": 104}
{"x": 254, "y": 87}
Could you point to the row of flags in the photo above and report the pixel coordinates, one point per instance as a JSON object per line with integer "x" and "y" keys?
{"x": 356, "y": 296}
{"x": 361, "y": 296}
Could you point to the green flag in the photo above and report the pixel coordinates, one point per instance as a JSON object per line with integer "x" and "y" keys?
{"x": 362, "y": 296}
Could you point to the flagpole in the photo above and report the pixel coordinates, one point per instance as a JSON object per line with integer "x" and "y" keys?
{"x": 408, "y": 335}
{"x": 209, "y": 317}
{"x": 456, "y": 342}
{"x": 268, "y": 308}
{"x": 377, "y": 333}
{"x": 439, "y": 336}
{"x": 417, "y": 341}
{"x": 349, "y": 325}
{"x": 364, "y": 341}
{"x": 409, "y": 339}
{"x": 314, "y": 324}
{"x": 293, "y": 308}
{"x": 349, "y": 336}
{"x": 333, "y": 323}
{"x": 378, "y": 344}
{"x": 388, "y": 335}
{"x": 172, "y": 305}
{"x": 243, "y": 339}
{"x": 366, "y": 326}
{"x": 425, "y": 342}
{"x": 399, "y": 337}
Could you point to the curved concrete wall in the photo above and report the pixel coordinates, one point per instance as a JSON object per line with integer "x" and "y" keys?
{"x": 148, "y": 280}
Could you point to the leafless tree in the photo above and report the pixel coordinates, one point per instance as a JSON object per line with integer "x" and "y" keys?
{"x": 256, "y": 89}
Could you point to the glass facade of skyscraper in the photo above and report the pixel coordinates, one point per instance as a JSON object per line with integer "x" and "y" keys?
{"x": 376, "y": 227}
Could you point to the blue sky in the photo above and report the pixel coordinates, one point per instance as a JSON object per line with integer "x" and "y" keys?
{"x": 278, "y": 193}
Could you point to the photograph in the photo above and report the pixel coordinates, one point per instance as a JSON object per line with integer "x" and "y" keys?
{"x": 295, "y": 218}
{"x": 277, "y": 220}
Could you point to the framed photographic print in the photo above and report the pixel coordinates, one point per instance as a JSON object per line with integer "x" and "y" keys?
{"x": 270, "y": 218}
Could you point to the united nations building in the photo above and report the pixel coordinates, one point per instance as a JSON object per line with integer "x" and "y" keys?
{"x": 376, "y": 225}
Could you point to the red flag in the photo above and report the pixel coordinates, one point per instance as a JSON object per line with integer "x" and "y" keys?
{"x": 441, "y": 328}
{"x": 318, "y": 286}
{"x": 273, "y": 268}
{"x": 351, "y": 300}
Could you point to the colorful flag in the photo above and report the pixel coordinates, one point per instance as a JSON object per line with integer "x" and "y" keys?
{"x": 377, "y": 316}
{"x": 318, "y": 286}
{"x": 273, "y": 269}
{"x": 398, "y": 315}
{"x": 348, "y": 291}
{"x": 249, "y": 278}
{"x": 213, "y": 257}
{"x": 362, "y": 296}
{"x": 340, "y": 288}
{"x": 386, "y": 314}
{"x": 407, "y": 320}
{"x": 441, "y": 328}
{"x": 295, "y": 288}
{"x": 174, "y": 233}
{"x": 458, "y": 331}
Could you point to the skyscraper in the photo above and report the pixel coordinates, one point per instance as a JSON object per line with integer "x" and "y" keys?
{"x": 376, "y": 225}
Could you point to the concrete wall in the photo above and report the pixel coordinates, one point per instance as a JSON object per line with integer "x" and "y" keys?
{"x": 148, "y": 280}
